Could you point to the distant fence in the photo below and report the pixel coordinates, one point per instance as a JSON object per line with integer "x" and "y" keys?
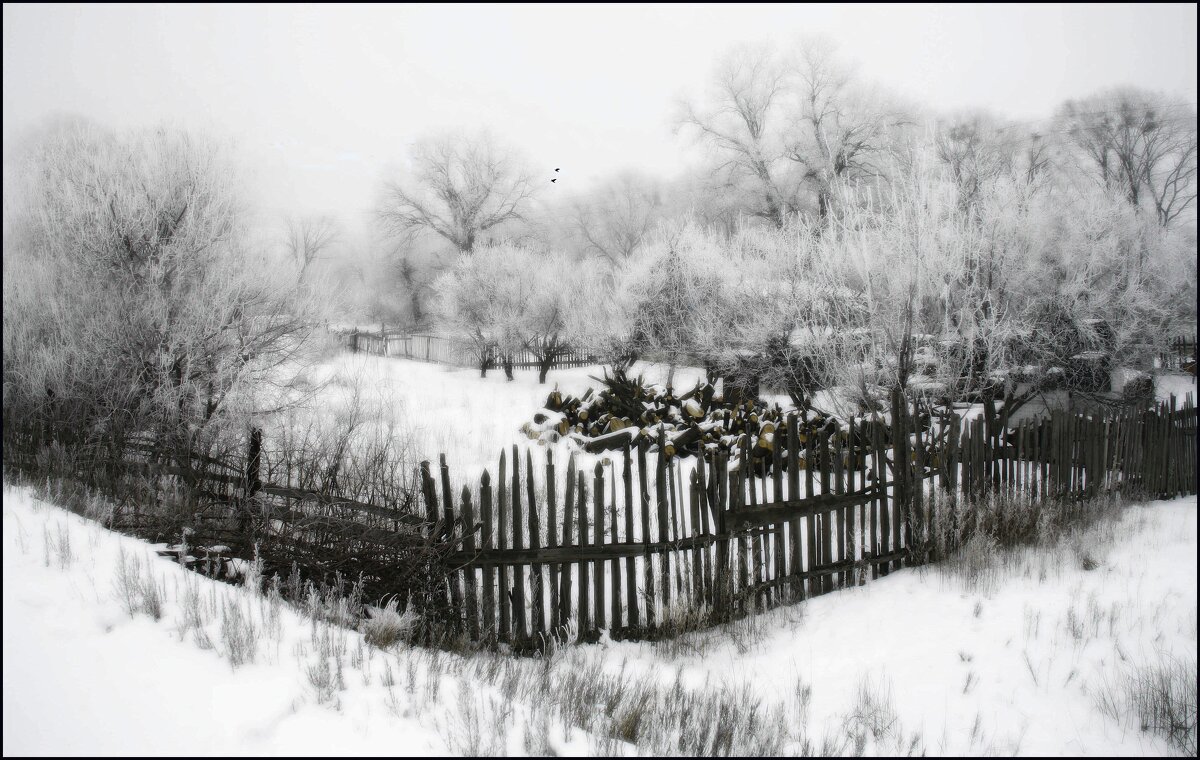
{"x": 634, "y": 545}
{"x": 443, "y": 350}
{"x": 1180, "y": 355}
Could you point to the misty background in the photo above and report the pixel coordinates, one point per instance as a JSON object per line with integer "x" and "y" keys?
{"x": 322, "y": 100}
{"x": 608, "y": 124}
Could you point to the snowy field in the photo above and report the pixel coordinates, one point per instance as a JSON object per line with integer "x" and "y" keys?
{"x": 470, "y": 419}
{"x": 110, "y": 649}
{"x": 453, "y": 411}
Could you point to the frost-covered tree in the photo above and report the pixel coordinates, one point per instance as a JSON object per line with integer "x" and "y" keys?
{"x": 1140, "y": 144}
{"x": 552, "y": 318}
{"x": 744, "y": 121}
{"x": 480, "y": 300}
{"x": 670, "y": 292}
{"x": 616, "y": 218}
{"x": 503, "y": 298}
{"x": 136, "y": 301}
{"x": 460, "y": 188}
{"x": 842, "y": 129}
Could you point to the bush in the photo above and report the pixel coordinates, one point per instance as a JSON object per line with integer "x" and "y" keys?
{"x": 1138, "y": 390}
{"x": 387, "y": 626}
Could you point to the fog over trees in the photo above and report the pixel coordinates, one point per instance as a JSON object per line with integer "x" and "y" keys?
{"x": 834, "y": 234}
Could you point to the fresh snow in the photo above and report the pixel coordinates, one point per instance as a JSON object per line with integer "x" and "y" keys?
{"x": 1011, "y": 665}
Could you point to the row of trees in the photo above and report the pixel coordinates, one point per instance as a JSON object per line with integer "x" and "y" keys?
{"x": 504, "y": 298}
{"x": 838, "y": 238}
{"x": 926, "y": 283}
{"x": 794, "y": 140}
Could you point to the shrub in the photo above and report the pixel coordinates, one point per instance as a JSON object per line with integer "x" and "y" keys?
{"x": 387, "y": 626}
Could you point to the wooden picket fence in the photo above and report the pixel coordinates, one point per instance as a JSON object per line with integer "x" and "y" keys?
{"x": 641, "y": 542}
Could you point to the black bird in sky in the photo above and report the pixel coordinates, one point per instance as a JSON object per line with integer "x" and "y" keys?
{"x": 554, "y": 180}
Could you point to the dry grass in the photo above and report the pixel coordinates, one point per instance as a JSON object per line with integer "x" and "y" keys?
{"x": 1158, "y": 697}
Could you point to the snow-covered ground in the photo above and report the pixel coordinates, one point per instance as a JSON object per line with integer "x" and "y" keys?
{"x": 933, "y": 660}
{"x": 453, "y": 411}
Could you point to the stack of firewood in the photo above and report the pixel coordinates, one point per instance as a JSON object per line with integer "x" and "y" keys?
{"x": 627, "y": 410}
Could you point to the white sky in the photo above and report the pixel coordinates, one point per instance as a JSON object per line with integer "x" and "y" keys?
{"x": 321, "y": 98}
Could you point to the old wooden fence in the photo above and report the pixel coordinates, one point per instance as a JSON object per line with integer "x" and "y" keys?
{"x": 1181, "y": 354}
{"x": 639, "y": 543}
{"x": 443, "y": 350}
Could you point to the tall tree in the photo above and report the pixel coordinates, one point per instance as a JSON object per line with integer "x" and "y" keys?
{"x": 972, "y": 148}
{"x": 134, "y": 304}
{"x": 841, "y": 131}
{"x": 617, "y": 217}
{"x": 1140, "y": 144}
{"x": 744, "y": 122}
{"x": 460, "y": 188}
{"x": 308, "y": 239}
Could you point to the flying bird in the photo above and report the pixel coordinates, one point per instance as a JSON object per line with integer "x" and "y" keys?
{"x": 554, "y": 180}
{"x": 556, "y": 170}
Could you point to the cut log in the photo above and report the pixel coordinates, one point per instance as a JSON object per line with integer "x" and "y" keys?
{"x": 612, "y": 441}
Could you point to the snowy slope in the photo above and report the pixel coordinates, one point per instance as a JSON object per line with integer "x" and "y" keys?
{"x": 928, "y": 659}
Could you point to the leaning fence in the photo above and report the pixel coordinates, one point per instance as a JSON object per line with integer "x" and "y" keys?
{"x": 639, "y": 540}
{"x": 634, "y": 543}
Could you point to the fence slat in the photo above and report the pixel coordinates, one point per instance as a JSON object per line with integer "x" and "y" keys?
{"x": 647, "y": 562}
{"x": 468, "y": 571}
{"x": 568, "y": 538}
{"x": 552, "y": 538}
{"x": 879, "y": 522}
{"x": 584, "y": 607}
{"x": 502, "y": 524}
{"x": 536, "y": 590}
{"x": 598, "y": 527}
{"x": 520, "y": 630}
{"x": 630, "y": 562}
{"x": 660, "y": 485}
{"x": 614, "y": 570}
{"x": 487, "y": 542}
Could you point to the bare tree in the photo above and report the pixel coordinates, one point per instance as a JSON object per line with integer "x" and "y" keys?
{"x": 972, "y": 148}
{"x": 460, "y": 188}
{"x": 615, "y": 219}
{"x": 1140, "y": 144}
{"x": 308, "y": 239}
{"x": 744, "y": 123}
{"x": 840, "y": 133}
{"x": 782, "y": 127}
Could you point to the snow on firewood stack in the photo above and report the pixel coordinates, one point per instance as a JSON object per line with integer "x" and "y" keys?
{"x": 627, "y": 410}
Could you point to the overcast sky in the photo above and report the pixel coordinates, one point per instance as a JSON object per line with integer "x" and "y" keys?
{"x": 320, "y": 99}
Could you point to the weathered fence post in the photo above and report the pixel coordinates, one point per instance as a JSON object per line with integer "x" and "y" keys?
{"x": 253, "y": 481}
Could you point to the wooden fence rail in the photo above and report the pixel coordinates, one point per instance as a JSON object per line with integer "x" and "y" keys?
{"x": 719, "y": 537}
{"x": 641, "y": 541}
